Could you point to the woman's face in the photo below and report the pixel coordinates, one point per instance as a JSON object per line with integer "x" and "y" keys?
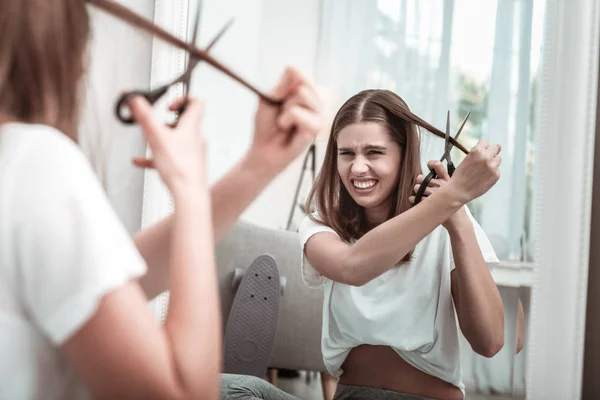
{"x": 368, "y": 162}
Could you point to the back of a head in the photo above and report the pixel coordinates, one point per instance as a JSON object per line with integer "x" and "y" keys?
{"x": 42, "y": 46}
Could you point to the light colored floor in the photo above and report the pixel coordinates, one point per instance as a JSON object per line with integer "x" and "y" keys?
{"x": 300, "y": 388}
{"x": 312, "y": 390}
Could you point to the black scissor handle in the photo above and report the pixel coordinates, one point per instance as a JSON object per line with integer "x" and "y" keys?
{"x": 181, "y": 109}
{"x": 122, "y": 110}
{"x": 419, "y": 195}
{"x": 451, "y": 168}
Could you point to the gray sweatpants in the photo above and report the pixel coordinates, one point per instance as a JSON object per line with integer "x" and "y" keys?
{"x": 350, "y": 392}
{"x": 244, "y": 387}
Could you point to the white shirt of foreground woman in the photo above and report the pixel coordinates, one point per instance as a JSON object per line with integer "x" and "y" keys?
{"x": 62, "y": 249}
{"x": 408, "y": 308}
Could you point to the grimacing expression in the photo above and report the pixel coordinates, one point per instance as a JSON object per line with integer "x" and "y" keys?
{"x": 368, "y": 162}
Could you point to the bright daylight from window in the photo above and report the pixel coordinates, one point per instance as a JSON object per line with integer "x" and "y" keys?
{"x": 436, "y": 55}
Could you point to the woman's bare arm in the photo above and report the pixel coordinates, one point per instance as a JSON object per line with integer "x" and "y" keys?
{"x": 383, "y": 246}
{"x": 122, "y": 351}
{"x": 477, "y": 300}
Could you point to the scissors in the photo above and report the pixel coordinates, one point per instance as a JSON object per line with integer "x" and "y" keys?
{"x": 446, "y": 156}
{"x": 122, "y": 109}
{"x": 125, "y": 14}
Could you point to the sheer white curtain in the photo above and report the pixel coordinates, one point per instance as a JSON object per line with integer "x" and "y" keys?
{"x": 508, "y": 115}
{"x": 392, "y": 45}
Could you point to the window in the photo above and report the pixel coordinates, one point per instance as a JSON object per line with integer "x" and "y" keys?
{"x": 457, "y": 55}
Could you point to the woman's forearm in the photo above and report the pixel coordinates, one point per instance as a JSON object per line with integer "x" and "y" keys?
{"x": 229, "y": 198}
{"x": 193, "y": 322}
{"x": 478, "y": 303}
{"x": 520, "y": 327}
{"x": 154, "y": 244}
{"x": 235, "y": 191}
{"x": 385, "y": 245}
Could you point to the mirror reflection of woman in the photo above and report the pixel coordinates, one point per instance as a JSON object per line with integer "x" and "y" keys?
{"x": 399, "y": 279}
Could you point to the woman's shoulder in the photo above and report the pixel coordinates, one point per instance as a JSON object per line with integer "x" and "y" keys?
{"x": 40, "y": 141}
{"x": 59, "y": 232}
{"x": 40, "y": 156}
{"x": 45, "y": 174}
{"x": 311, "y": 219}
{"x": 311, "y": 225}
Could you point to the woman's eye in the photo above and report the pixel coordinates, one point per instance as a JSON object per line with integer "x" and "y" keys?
{"x": 375, "y": 152}
{"x": 346, "y": 153}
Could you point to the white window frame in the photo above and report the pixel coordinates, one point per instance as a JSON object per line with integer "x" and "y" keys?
{"x": 167, "y": 62}
{"x": 563, "y": 194}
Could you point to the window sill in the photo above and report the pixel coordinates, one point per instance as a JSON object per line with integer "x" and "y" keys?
{"x": 513, "y": 274}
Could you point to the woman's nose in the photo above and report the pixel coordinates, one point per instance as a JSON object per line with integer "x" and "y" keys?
{"x": 359, "y": 166}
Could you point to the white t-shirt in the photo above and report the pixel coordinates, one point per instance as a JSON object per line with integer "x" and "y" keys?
{"x": 62, "y": 248}
{"x": 409, "y": 307}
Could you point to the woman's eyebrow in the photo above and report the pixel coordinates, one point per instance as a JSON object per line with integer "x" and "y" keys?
{"x": 375, "y": 147}
{"x": 366, "y": 147}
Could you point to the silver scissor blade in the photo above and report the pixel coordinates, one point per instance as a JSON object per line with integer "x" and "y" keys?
{"x": 214, "y": 41}
{"x": 447, "y": 144}
{"x": 447, "y": 127}
{"x": 196, "y": 24}
{"x": 221, "y": 32}
{"x": 462, "y": 125}
{"x": 186, "y": 77}
{"x": 445, "y": 156}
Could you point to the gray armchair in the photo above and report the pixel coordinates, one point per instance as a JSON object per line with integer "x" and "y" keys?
{"x": 298, "y": 339}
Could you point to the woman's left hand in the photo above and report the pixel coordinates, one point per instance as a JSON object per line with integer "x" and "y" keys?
{"x": 442, "y": 179}
{"x": 282, "y": 133}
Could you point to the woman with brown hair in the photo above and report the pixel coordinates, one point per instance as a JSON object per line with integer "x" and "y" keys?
{"x": 74, "y": 318}
{"x": 395, "y": 274}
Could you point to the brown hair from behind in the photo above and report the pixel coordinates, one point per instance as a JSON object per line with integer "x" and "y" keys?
{"x": 42, "y": 47}
{"x": 335, "y": 206}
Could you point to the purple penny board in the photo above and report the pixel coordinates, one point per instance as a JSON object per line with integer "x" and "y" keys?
{"x": 252, "y": 323}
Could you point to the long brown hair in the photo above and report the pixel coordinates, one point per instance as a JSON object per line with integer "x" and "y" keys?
{"x": 42, "y": 46}
{"x": 335, "y": 206}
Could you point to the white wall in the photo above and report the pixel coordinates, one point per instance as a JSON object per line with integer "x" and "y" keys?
{"x": 267, "y": 35}
{"x": 289, "y": 36}
{"x": 229, "y": 106}
{"x": 119, "y": 59}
